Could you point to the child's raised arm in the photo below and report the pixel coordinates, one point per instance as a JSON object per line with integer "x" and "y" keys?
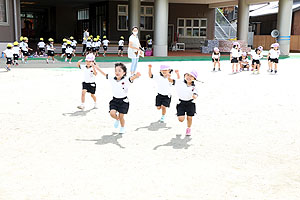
{"x": 78, "y": 63}
{"x": 94, "y": 70}
{"x": 150, "y": 72}
{"x": 138, "y": 74}
{"x": 100, "y": 70}
{"x": 178, "y": 75}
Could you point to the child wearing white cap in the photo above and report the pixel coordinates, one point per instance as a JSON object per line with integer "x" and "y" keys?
{"x": 120, "y": 83}
{"x": 255, "y": 57}
{"x": 244, "y": 62}
{"x": 121, "y": 46}
{"x": 274, "y": 56}
{"x": 216, "y": 58}
{"x": 187, "y": 93}
{"x": 234, "y": 57}
{"x": 88, "y": 84}
{"x": 164, "y": 82}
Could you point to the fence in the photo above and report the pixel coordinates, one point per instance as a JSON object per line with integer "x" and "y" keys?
{"x": 267, "y": 40}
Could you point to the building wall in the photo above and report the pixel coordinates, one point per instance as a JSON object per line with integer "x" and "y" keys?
{"x": 65, "y": 21}
{"x": 268, "y": 23}
{"x": 295, "y": 23}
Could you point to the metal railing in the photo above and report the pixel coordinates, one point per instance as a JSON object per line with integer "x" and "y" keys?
{"x": 224, "y": 30}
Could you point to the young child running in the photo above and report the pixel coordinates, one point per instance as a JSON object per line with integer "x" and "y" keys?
{"x": 88, "y": 84}
{"x": 73, "y": 45}
{"x": 63, "y": 47}
{"x": 105, "y": 45}
{"x": 94, "y": 44}
{"x": 41, "y": 47}
{"x": 269, "y": 59}
{"x": 121, "y": 46}
{"x": 274, "y": 56}
{"x": 120, "y": 82}
{"x": 164, "y": 82}
{"x": 244, "y": 62}
{"x": 17, "y": 52}
{"x": 50, "y": 50}
{"x": 256, "y": 56}
{"x": 234, "y": 56}
{"x": 89, "y": 45}
{"x": 8, "y": 54}
{"x": 25, "y": 50}
{"x": 98, "y": 44}
{"x": 216, "y": 58}
{"x": 187, "y": 93}
{"x": 69, "y": 52}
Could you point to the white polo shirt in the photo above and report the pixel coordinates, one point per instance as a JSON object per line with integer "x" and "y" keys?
{"x": 135, "y": 43}
{"x": 274, "y": 53}
{"x": 64, "y": 45}
{"x": 25, "y": 46}
{"x": 234, "y": 53}
{"x": 121, "y": 43}
{"x": 163, "y": 84}
{"x": 256, "y": 56}
{"x": 184, "y": 91}
{"x": 73, "y": 43}
{"x": 94, "y": 44}
{"x": 98, "y": 43}
{"x": 9, "y": 53}
{"x": 50, "y": 47}
{"x": 119, "y": 88}
{"x": 88, "y": 74}
{"x": 41, "y": 44}
{"x": 88, "y": 44}
{"x": 216, "y": 56}
{"x": 105, "y": 42}
{"x": 69, "y": 50}
{"x": 16, "y": 50}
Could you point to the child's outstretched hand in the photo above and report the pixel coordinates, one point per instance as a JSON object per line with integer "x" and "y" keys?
{"x": 149, "y": 65}
{"x": 195, "y": 96}
{"x": 80, "y": 60}
{"x": 176, "y": 71}
{"x": 138, "y": 74}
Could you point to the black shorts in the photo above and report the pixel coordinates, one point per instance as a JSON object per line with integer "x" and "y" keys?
{"x": 97, "y": 48}
{"x": 25, "y": 53}
{"x": 69, "y": 55}
{"x": 240, "y": 58}
{"x": 105, "y": 48}
{"x": 89, "y": 87}
{"x": 94, "y": 49}
{"x": 214, "y": 59}
{"x": 269, "y": 59}
{"x": 120, "y": 48}
{"x": 245, "y": 66}
{"x": 42, "y": 50}
{"x": 255, "y": 62}
{"x": 50, "y": 53}
{"x": 9, "y": 61}
{"x": 73, "y": 47}
{"x": 162, "y": 100}
{"x": 186, "y": 107}
{"x": 63, "y": 50}
{"x": 234, "y": 60}
{"x": 88, "y": 49}
{"x": 149, "y": 45}
{"x": 16, "y": 56}
{"x": 121, "y": 105}
{"x": 274, "y": 60}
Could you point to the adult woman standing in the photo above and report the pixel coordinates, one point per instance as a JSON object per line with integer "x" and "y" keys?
{"x": 134, "y": 50}
{"x": 86, "y": 34}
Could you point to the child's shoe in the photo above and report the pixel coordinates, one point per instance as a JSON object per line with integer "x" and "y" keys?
{"x": 188, "y": 132}
{"x": 275, "y": 71}
{"x": 162, "y": 119}
{"x": 219, "y": 69}
{"x": 122, "y": 130}
{"x": 116, "y": 124}
{"x": 214, "y": 69}
{"x": 81, "y": 107}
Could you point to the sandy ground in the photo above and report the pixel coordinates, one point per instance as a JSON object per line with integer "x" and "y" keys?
{"x": 245, "y": 142}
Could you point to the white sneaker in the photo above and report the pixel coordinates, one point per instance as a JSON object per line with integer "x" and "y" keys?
{"x": 81, "y": 107}
{"x": 95, "y": 106}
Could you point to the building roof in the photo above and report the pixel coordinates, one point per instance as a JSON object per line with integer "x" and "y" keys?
{"x": 269, "y": 8}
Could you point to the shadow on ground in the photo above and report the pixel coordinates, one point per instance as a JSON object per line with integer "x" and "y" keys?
{"x": 177, "y": 143}
{"x": 155, "y": 126}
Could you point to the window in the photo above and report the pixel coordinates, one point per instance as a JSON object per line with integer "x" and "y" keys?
{"x": 122, "y": 17}
{"x": 3, "y": 12}
{"x": 83, "y": 14}
{"x": 147, "y": 18}
{"x": 192, "y": 27}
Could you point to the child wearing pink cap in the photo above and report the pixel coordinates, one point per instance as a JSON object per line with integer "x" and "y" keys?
{"x": 120, "y": 83}
{"x": 274, "y": 56}
{"x": 164, "y": 82}
{"x": 255, "y": 57}
{"x": 88, "y": 84}
{"x": 234, "y": 57}
{"x": 216, "y": 58}
{"x": 269, "y": 59}
{"x": 187, "y": 93}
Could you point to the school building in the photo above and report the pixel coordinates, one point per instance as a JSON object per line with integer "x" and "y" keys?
{"x": 187, "y": 21}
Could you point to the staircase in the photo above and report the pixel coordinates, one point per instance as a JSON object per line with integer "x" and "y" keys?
{"x": 224, "y": 30}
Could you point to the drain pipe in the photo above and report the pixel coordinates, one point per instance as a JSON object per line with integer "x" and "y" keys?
{"x": 15, "y": 20}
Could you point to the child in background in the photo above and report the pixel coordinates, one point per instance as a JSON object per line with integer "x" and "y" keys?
{"x": 25, "y": 50}
{"x": 98, "y": 45}
{"x": 234, "y": 56}
{"x": 187, "y": 93}
{"x": 164, "y": 82}
{"x": 149, "y": 42}
{"x": 121, "y": 46}
{"x": 63, "y": 47}
{"x": 89, "y": 45}
{"x": 216, "y": 58}
{"x": 73, "y": 45}
{"x": 88, "y": 84}
{"x": 244, "y": 62}
{"x": 105, "y": 45}
{"x": 274, "y": 57}
{"x": 41, "y": 47}
{"x": 50, "y": 50}
{"x": 69, "y": 52}
{"x": 120, "y": 82}
{"x": 268, "y": 58}
{"x": 8, "y": 54}
{"x": 255, "y": 57}
{"x": 17, "y": 52}
{"x": 94, "y": 44}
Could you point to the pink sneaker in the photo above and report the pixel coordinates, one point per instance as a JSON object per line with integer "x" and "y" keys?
{"x": 188, "y": 132}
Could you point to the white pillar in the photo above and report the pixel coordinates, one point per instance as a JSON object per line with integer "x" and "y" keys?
{"x": 243, "y": 20}
{"x": 134, "y": 14}
{"x": 161, "y": 15}
{"x": 284, "y": 22}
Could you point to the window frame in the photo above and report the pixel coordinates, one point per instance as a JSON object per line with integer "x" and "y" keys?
{"x": 147, "y": 15}
{"x": 122, "y": 14}
{"x": 7, "y": 16}
{"x": 192, "y": 27}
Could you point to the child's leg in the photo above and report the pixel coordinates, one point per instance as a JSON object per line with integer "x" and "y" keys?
{"x": 181, "y": 118}
{"x": 189, "y": 121}
{"x": 214, "y": 64}
{"x": 122, "y": 120}
{"x": 113, "y": 114}
{"x": 158, "y": 107}
{"x": 275, "y": 66}
{"x": 219, "y": 66}
{"x": 163, "y": 110}
{"x": 83, "y": 96}
{"x": 232, "y": 67}
{"x": 258, "y": 67}
{"x": 237, "y": 67}
{"x": 94, "y": 97}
